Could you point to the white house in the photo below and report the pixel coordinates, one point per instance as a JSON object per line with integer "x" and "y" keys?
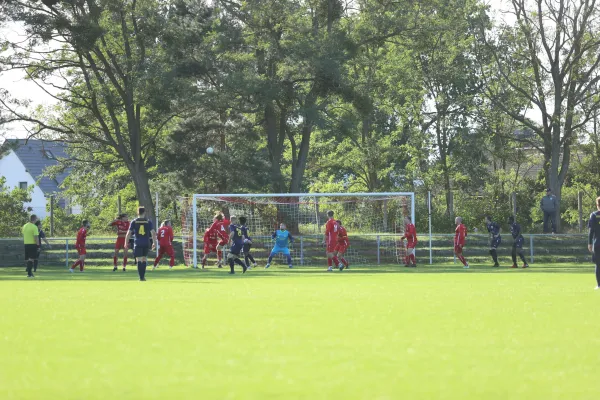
{"x": 22, "y": 165}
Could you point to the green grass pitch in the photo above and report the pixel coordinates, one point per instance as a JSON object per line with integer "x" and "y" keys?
{"x": 368, "y": 333}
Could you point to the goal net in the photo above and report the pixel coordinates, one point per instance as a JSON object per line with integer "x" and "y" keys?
{"x": 374, "y": 221}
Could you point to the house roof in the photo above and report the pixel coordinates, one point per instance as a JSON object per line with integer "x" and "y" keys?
{"x": 36, "y": 155}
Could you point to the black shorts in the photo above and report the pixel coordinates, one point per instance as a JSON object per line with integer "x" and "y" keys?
{"x": 495, "y": 242}
{"x": 518, "y": 243}
{"x": 236, "y": 248}
{"x": 31, "y": 252}
{"x": 140, "y": 251}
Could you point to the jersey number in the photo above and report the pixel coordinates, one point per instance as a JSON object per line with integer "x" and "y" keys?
{"x": 142, "y": 230}
{"x": 162, "y": 234}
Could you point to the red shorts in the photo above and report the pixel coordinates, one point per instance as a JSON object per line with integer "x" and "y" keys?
{"x": 166, "y": 249}
{"x": 210, "y": 248}
{"x": 341, "y": 248}
{"x": 331, "y": 246}
{"x": 120, "y": 243}
{"x": 81, "y": 250}
{"x": 411, "y": 245}
{"x": 458, "y": 248}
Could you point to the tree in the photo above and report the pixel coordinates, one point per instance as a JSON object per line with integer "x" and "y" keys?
{"x": 12, "y": 212}
{"x": 550, "y": 61}
{"x": 290, "y": 62}
{"x": 103, "y": 64}
{"x": 444, "y": 54}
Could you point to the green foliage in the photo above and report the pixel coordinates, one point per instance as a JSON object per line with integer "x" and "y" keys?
{"x": 13, "y": 214}
{"x": 302, "y": 97}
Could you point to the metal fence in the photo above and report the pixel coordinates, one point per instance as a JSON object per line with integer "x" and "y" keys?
{"x": 309, "y": 249}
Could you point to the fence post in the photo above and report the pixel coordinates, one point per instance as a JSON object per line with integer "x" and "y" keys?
{"x": 119, "y": 204}
{"x": 67, "y": 253}
{"x": 378, "y": 250}
{"x": 301, "y": 250}
{"x": 580, "y": 209}
{"x": 51, "y": 215}
{"x": 531, "y": 248}
{"x": 430, "y": 238}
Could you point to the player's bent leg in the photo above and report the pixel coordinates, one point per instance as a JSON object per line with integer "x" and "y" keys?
{"x": 271, "y": 255}
{"x": 513, "y": 255}
{"x": 411, "y": 257}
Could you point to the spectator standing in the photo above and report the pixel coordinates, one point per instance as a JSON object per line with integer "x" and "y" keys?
{"x": 549, "y": 207}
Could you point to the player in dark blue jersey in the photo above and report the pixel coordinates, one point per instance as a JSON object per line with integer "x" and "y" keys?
{"x": 145, "y": 236}
{"x": 236, "y": 244}
{"x": 247, "y": 243}
{"x": 494, "y": 230}
{"x": 594, "y": 239}
{"x": 518, "y": 240}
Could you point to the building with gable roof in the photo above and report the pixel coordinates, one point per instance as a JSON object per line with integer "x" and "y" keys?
{"x": 22, "y": 164}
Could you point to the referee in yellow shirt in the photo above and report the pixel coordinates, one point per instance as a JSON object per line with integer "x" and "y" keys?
{"x": 30, "y": 238}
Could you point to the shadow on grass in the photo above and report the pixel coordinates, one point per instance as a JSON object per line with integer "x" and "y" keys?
{"x": 190, "y": 275}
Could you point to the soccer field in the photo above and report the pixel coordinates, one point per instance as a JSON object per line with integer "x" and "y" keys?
{"x": 370, "y": 333}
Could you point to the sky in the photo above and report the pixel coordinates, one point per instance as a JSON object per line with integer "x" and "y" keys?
{"x": 19, "y": 87}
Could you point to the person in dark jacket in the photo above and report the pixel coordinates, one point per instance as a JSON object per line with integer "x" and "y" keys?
{"x": 42, "y": 236}
{"x": 549, "y": 207}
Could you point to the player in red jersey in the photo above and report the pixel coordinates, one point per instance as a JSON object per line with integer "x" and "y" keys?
{"x": 341, "y": 246}
{"x": 330, "y": 240}
{"x": 122, "y": 224}
{"x": 410, "y": 234}
{"x": 211, "y": 240}
{"x": 460, "y": 236}
{"x": 80, "y": 245}
{"x": 220, "y": 228}
{"x": 165, "y": 241}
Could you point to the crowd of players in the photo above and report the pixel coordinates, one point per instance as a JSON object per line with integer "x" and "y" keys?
{"x": 225, "y": 231}
{"x": 140, "y": 235}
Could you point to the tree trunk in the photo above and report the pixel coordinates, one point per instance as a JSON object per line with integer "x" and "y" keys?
{"x": 301, "y": 158}
{"x": 142, "y": 190}
{"x": 275, "y": 145}
{"x": 300, "y": 164}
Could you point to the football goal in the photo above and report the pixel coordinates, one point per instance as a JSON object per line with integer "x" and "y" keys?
{"x": 374, "y": 221}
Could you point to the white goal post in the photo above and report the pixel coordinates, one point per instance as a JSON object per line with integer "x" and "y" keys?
{"x": 374, "y": 221}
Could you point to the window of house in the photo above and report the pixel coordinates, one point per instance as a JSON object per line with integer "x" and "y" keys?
{"x": 49, "y": 155}
{"x": 23, "y": 185}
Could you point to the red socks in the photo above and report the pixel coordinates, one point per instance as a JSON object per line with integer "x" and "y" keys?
{"x": 124, "y": 261}
{"x": 462, "y": 260}
{"x": 115, "y": 261}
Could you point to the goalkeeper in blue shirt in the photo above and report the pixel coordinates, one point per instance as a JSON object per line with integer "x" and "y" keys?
{"x": 282, "y": 239}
